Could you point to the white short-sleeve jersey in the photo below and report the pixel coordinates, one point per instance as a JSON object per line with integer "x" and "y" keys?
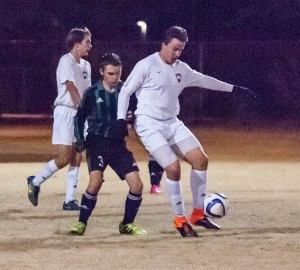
{"x": 158, "y": 85}
{"x": 69, "y": 70}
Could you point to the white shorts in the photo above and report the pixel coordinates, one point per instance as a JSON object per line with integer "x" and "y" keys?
{"x": 171, "y": 135}
{"x": 63, "y": 125}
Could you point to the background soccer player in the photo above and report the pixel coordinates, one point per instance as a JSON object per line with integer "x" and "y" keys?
{"x": 73, "y": 77}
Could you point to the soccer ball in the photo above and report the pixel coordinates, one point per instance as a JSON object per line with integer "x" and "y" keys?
{"x": 216, "y": 205}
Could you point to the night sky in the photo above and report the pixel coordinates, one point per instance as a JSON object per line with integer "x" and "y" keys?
{"x": 33, "y": 33}
{"x": 116, "y": 20}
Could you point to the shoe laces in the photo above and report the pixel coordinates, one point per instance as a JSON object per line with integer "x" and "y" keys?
{"x": 186, "y": 227}
{"x": 131, "y": 227}
{"x": 73, "y": 202}
{"x": 79, "y": 224}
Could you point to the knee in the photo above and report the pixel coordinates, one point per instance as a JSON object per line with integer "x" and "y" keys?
{"x": 204, "y": 161}
{"x": 76, "y": 160}
{"x": 140, "y": 187}
{"x": 62, "y": 161}
{"x": 201, "y": 164}
{"x": 173, "y": 171}
{"x": 94, "y": 187}
{"x": 137, "y": 187}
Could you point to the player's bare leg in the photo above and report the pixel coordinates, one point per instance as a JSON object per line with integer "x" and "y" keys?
{"x": 168, "y": 160}
{"x": 64, "y": 155}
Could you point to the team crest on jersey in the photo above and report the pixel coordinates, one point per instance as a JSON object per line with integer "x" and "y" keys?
{"x": 178, "y": 77}
{"x": 85, "y": 75}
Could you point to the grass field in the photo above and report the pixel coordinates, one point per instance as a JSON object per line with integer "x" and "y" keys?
{"x": 257, "y": 168}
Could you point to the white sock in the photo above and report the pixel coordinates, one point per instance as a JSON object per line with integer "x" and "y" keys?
{"x": 174, "y": 192}
{"x": 72, "y": 180}
{"x": 198, "y": 184}
{"x": 48, "y": 170}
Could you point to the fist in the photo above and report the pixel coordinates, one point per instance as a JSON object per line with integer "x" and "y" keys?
{"x": 243, "y": 93}
{"x": 80, "y": 145}
{"x": 119, "y": 130}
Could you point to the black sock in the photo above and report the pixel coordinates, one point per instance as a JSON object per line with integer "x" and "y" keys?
{"x": 156, "y": 172}
{"x": 132, "y": 205}
{"x": 88, "y": 203}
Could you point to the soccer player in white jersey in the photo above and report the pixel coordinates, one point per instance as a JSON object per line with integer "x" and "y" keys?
{"x": 157, "y": 81}
{"x": 73, "y": 77}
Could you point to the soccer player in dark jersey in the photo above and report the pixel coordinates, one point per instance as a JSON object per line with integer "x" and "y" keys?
{"x": 104, "y": 146}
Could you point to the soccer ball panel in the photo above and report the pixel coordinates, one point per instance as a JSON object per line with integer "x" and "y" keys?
{"x": 216, "y": 205}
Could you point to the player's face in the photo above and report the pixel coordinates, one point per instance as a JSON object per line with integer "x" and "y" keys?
{"x": 85, "y": 46}
{"x": 111, "y": 76}
{"x": 170, "y": 52}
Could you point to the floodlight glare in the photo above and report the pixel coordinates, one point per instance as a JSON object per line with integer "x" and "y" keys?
{"x": 143, "y": 27}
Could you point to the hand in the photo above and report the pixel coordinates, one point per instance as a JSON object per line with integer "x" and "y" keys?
{"x": 119, "y": 130}
{"x": 130, "y": 118}
{"x": 246, "y": 102}
{"x": 243, "y": 93}
{"x": 80, "y": 145}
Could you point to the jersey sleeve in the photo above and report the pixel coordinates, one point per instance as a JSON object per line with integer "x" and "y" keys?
{"x": 198, "y": 79}
{"x": 132, "y": 84}
{"x": 89, "y": 69}
{"x": 66, "y": 72}
{"x": 83, "y": 111}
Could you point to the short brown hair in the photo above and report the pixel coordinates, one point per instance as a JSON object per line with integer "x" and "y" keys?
{"x": 110, "y": 59}
{"x": 177, "y": 32}
{"x": 76, "y": 35}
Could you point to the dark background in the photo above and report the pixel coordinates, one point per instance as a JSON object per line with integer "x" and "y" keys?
{"x": 250, "y": 43}
{"x": 216, "y": 20}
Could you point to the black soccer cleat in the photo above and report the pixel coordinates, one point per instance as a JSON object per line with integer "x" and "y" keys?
{"x": 206, "y": 223}
{"x": 186, "y": 230}
{"x": 33, "y": 191}
{"x": 71, "y": 206}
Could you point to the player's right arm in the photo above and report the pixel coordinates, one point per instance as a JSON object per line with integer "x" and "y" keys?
{"x": 131, "y": 109}
{"x": 71, "y": 87}
{"x": 132, "y": 84}
{"x": 65, "y": 76}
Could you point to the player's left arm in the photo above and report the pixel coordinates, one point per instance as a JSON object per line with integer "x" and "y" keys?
{"x": 241, "y": 92}
{"x": 198, "y": 79}
{"x": 83, "y": 111}
{"x": 67, "y": 77}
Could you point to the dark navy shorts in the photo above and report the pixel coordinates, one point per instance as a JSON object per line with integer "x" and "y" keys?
{"x": 102, "y": 152}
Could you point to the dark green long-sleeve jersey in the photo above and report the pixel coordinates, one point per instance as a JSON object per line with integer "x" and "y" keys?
{"x": 99, "y": 108}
